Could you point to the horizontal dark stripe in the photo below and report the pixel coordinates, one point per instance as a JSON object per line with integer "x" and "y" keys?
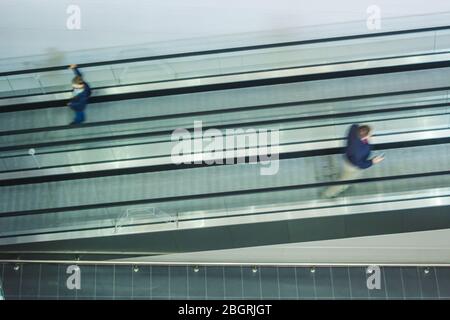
{"x": 216, "y": 75}
{"x": 227, "y": 50}
{"x": 171, "y": 166}
{"x": 254, "y": 234}
{"x": 73, "y": 256}
{"x": 233, "y": 85}
{"x": 219, "y": 112}
{"x": 212, "y": 112}
{"x": 388, "y": 145}
{"x": 214, "y": 217}
{"x": 217, "y": 194}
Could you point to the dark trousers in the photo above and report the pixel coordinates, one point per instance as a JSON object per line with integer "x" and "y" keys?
{"x": 79, "y": 116}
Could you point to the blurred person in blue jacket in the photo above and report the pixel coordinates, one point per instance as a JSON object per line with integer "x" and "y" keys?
{"x": 81, "y": 94}
{"x": 356, "y": 158}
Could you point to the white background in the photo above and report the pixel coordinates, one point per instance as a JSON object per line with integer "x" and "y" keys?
{"x": 38, "y": 27}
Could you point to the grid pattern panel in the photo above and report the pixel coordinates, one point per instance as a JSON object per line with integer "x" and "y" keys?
{"x": 49, "y": 281}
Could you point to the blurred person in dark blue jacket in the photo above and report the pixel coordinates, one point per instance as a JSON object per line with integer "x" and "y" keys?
{"x": 81, "y": 94}
{"x": 356, "y": 157}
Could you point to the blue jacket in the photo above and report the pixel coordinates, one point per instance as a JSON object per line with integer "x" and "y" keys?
{"x": 357, "y": 152}
{"x": 80, "y": 101}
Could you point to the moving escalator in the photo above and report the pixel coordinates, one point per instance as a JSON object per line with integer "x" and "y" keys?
{"x": 111, "y": 187}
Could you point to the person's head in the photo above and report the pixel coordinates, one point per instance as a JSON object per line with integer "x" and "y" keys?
{"x": 364, "y": 132}
{"x": 77, "y": 83}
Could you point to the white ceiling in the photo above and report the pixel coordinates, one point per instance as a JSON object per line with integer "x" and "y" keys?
{"x": 38, "y": 27}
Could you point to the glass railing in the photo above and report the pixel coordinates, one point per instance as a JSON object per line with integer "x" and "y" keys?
{"x": 229, "y": 61}
{"x": 331, "y": 133}
{"x": 424, "y": 111}
{"x": 167, "y": 215}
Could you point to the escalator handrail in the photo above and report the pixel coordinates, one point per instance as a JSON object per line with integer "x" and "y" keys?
{"x": 227, "y": 50}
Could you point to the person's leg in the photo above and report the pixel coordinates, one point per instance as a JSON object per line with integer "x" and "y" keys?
{"x": 79, "y": 117}
{"x": 348, "y": 172}
{"x": 82, "y": 116}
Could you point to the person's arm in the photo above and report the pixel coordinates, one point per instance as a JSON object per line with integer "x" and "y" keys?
{"x": 352, "y": 133}
{"x": 79, "y": 102}
{"x": 87, "y": 89}
{"x": 370, "y": 162}
{"x": 364, "y": 164}
{"x": 74, "y": 104}
{"x": 75, "y": 70}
